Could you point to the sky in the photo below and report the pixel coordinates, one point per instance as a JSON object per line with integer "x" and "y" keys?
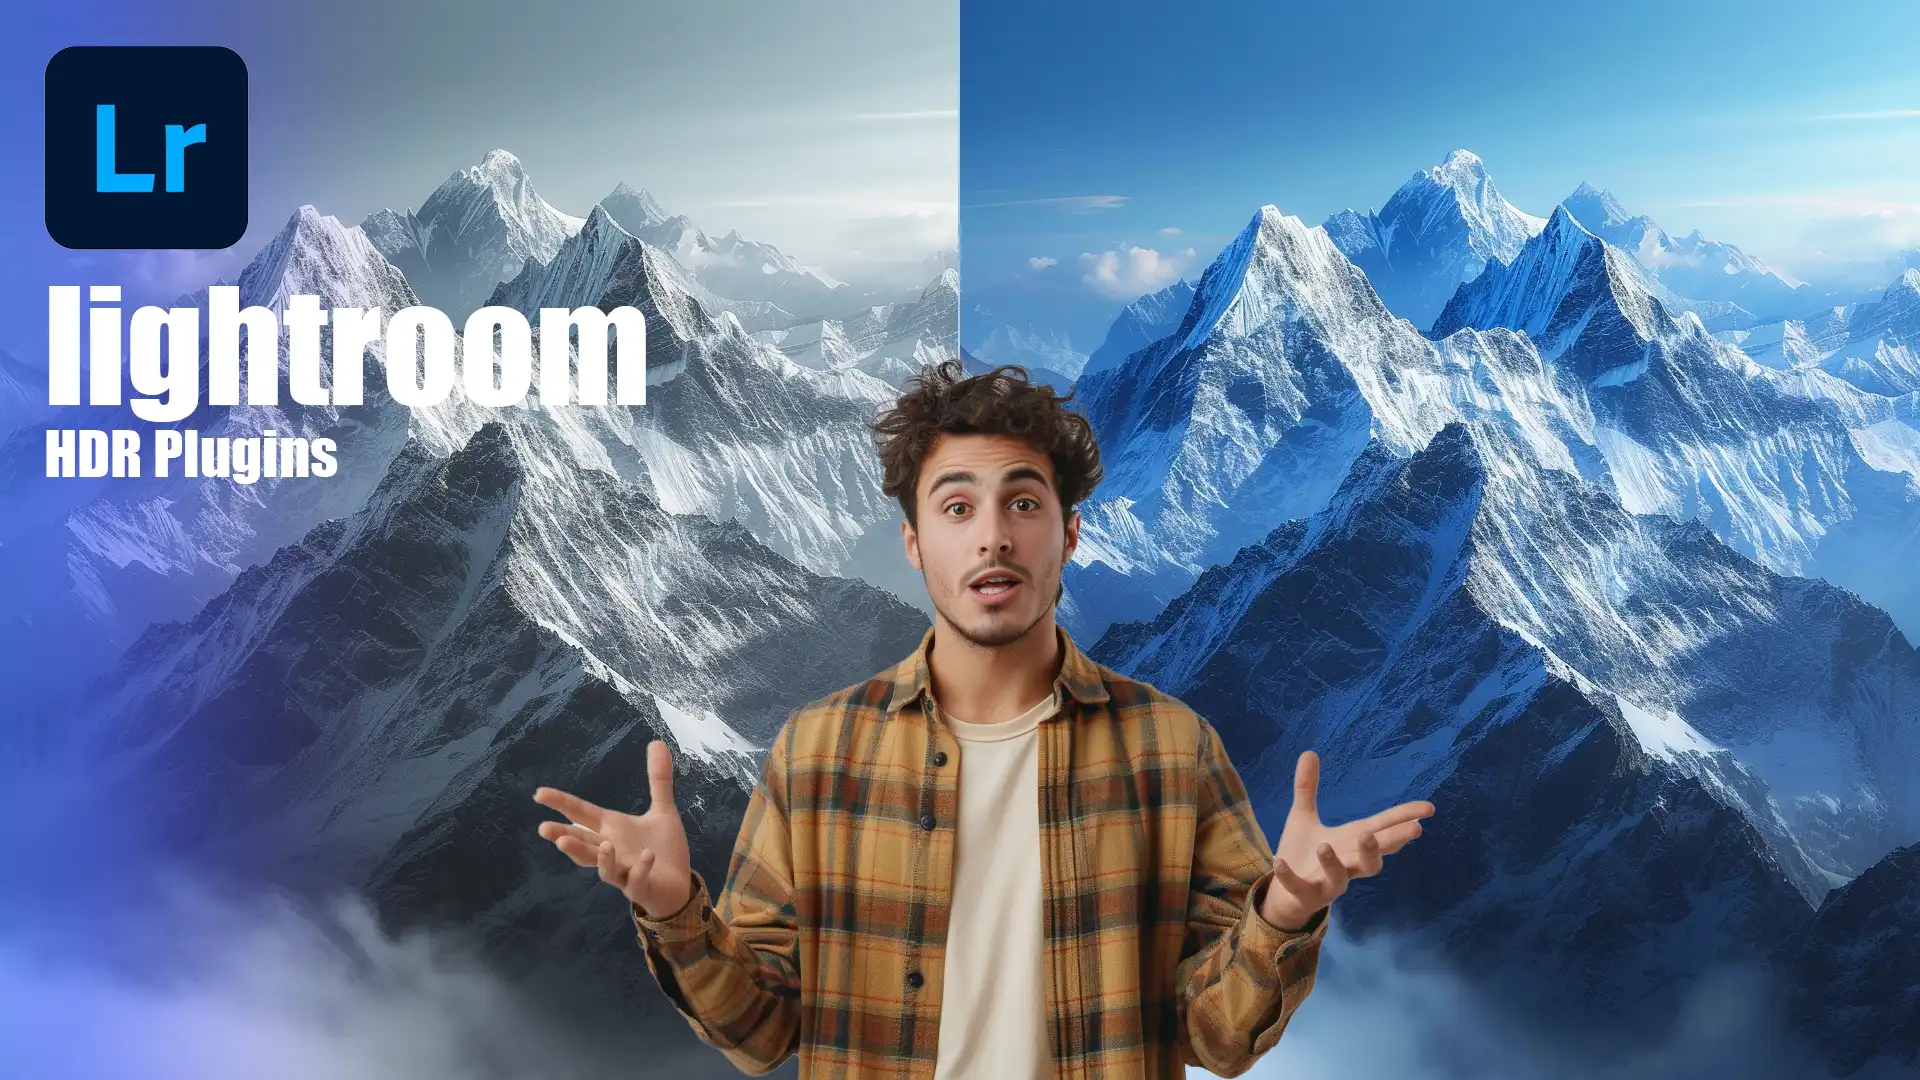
{"x": 1127, "y": 141}
{"x": 829, "y": 129}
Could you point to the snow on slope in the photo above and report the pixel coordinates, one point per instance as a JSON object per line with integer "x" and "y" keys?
{"x": 477, "y": 229}
{"x": 1593, "y": 698}
{"x": 373, "y": 708}
{"x": 732, "y": 428}
{"x": 1791, "y": 471}
{"x": 93, "y": 562}
{"x": 1442, "y": 227}
{"x": 891, "y": 342}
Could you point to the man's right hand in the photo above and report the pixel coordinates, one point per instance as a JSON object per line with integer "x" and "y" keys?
{"x": 645, "y": 857}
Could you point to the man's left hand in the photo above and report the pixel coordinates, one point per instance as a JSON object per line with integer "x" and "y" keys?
{"x": 1315, "y": 861}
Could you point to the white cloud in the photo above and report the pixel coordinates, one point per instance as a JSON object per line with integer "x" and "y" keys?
{"x": 228, "y": 989}
{"x": 1041, "y": 262}
{"x": 1171, "y": 230}
{"x": 1133, "y": 271}
{"x": 916, "y": 114}
{"x": 1073, "y": 204}
{"x": 1385, "y": 1009}
{"x": 1878, "y": 114}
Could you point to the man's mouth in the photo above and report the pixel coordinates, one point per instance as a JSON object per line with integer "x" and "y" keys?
{"x": 994, "y": 584}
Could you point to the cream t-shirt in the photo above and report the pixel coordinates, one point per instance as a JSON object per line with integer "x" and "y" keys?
{"x": 993, "y": 999}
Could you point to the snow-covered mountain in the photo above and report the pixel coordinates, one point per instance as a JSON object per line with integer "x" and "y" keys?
{"x": 1874, "y": 346}
{"x": 477, "y": 229}
{"x": 1140, "y": 324}
{"x": 734, "y": 429}
{"x": 1798, "y": 474}
{"x": 1693, "y": 266}
{"x": 1284, "y": 368}
{"x": 1049, "y": 350}
{"x": 733, "y": 266}
{"x": 1650, "y": 753}
{"x": 92, "y": 562}
{"x": 23, "y": 396}
{"x": 374, "y": 707}
{"x": 1439, "y": 229}
{"x": 890, "y": 342}
{"x": 1852, "y": 971}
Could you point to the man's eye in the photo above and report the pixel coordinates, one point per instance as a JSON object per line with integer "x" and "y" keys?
{"x": 954, "y": 506}
{"x": 1032, "y": 504}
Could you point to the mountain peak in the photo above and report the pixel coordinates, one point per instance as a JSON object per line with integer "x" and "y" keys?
{"x": 635, "y": 208}
{"x": 1564, "y": 228}
{"x": 602, "y": 224}
{"x": 1596, "y": 207}
{"x": 498, "y": 163}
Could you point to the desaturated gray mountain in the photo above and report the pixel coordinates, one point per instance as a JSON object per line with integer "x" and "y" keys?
{"x": 1439, "y": 229}
{"x": 734, "y": 429}
{"x": 1140, "y": 324}
{"x": 732, "y": 266}
{"x": 639, "y": 213}
{"x": 374, "y": 707}
{"x": 1855, "y": 970}
{"x": 1650, "y": 754}
{"x": 890, "y": 342}
{"x": 1694, "y": 267}
{"x": 92, "y": 562}
{"x": 477, "y": 229}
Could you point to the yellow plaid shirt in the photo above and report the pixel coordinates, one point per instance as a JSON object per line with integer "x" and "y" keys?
{"x": 829, "y": 938}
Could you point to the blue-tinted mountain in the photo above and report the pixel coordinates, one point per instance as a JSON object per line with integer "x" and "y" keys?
{"x": 1439, "y": 229}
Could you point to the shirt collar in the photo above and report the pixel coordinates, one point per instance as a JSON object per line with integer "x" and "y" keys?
{"x": 1079, "y": 676}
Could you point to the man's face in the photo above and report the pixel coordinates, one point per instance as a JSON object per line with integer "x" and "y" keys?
{"x": 990, "y": 539}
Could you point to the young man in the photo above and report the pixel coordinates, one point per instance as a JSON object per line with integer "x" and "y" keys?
{"x": 998, "y": 859}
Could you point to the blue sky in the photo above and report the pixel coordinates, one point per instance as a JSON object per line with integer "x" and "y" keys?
{"x": 1792, "y": 130}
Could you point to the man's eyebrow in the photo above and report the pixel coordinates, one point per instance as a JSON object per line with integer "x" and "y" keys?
{"x": 1025, "y": 472}
{"x": 957, "y": 476}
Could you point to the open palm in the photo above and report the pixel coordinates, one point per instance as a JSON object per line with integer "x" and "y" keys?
{"x": 1314, "y": 861}
{"x": 645, "y": 856}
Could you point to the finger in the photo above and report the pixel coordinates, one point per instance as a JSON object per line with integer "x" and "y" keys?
{"x": 554, "y": 830}
{"x": 638, "y": 877}
{"x": 575, "y": 807}
{"x": 1388, "y": 818}
{"x": 1335, "y": 870}
{"x": 1370, "y": 856}
{"x": 1308, "y": 893}
{"x": 582, "y": 854}
{"x": 660, "y": 776}
{"x": 1392, "y": 840}
{"x": 1306, "y": 785}
{"x": 611, "y": 871}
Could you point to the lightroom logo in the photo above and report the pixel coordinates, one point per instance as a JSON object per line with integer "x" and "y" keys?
{"x": 146, "y": 147}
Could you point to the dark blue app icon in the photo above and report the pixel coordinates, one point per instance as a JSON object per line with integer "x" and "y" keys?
{"x": 146, "y": 146}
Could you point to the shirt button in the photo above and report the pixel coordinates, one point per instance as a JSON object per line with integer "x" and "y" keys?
{"x": 926, "y": 822}
{"x": 939, "y": 757}
{"x": 914, "y": 979}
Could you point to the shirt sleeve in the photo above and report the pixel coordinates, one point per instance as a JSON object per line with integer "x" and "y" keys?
{"x": 732, "y": 968}
{"x": 1241, "y": 978}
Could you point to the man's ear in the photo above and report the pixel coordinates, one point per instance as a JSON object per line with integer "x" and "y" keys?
{"x": 1073, "y": 536}
{"x": 910, "y": 540}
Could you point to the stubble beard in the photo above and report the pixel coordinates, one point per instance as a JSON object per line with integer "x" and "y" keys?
{"x": 992, "y": 640}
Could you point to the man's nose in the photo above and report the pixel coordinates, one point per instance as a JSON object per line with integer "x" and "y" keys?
{"x": 996, "y": 533}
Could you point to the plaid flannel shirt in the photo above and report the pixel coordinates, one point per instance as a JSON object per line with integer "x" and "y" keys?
{"x": 829, "y": 937}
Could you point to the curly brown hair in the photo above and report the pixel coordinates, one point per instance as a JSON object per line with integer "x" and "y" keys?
{"x": 1004, "y": 401}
